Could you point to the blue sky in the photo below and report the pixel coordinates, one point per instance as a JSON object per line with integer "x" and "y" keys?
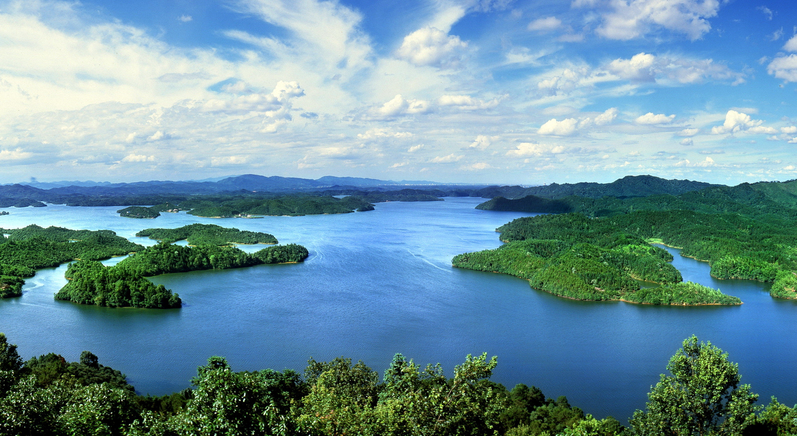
{"x": 482, "y": 91}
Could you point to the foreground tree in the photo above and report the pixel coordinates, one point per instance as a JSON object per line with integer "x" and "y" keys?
{"x": 701, "y": 397}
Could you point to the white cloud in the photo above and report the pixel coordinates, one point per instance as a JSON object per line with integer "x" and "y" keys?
{"x": 398, "y": 105}
{"x": 644, "y": 67}
{"x": 377, "y": 133}
{"x": 638, "y": 68}
{"x": 687, "y": 141}
{"x": 791, "y": 44}
{"x": 606, "y": 117}
{"x": 482, "y": 142}
{"x": 784, "y": 67}
{"x": 138, "y": 158}
{"x": 447, "y": 159}
{"x": 415, "y": 148}
{"x": 185, "y": 18}
{"x": 789, "y": 129}
{"x": 479, "y": 166}
{"x": 650, "y": 118}
{"x": 546, "y": 24}
{"x": 433, "y": 47}
{"x": 736, "y": 122}
{"x": 766, "y": 11}
{"x": 776, "y": 35}
{"x": 565, "y": 81}
{"x": 156, "y": 136}
{"x": 16, "y": 154}
{"x": 630, "y": 19}
{"x": 565, "y": 127}
{"x": 569, "y": 126}
{"x": 688, "y": 132}
{"x": 528, "y": 149}
{"x": 466, "y": 102}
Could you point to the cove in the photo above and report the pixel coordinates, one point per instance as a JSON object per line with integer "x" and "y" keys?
{"x": 381, "y": 282}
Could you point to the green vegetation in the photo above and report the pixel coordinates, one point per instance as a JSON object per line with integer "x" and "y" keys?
{"x": 744, "y": 232}
{"x": 138, "y": 212}
{"x": 702, "y": 396}
{"x": 295, "y": 205}
{"x": 208, "y": 234}
{"x": 589, "y": 259}
{"x": 30, "y": 248}
{"x": 48, "y": 395}
{"x": 125, "y": 285}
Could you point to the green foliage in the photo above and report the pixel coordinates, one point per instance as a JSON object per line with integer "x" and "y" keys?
{"x": 702, "y": 396}
{"x": 91, "y": 282}
{"x": 209, "y": 234}
{"x": 588, "y": 259}
{"x": 34, "y": 247}
{"x": 293, "y": 205}
{"x": 776, "y": 419}
{"x": 138, "y": 212}
{"x": 290, "y": 253}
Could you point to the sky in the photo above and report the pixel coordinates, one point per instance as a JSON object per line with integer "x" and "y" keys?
{"x": 458, "y": 91}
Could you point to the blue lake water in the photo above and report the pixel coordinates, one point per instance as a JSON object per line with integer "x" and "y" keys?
{"x": 381, "y": 282}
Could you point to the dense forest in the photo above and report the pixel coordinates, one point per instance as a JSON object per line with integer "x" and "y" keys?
{"x": 25, "y": 250}
{"x": 47, "y": 395}
{"x": 124, "y": 284}
{"x": 576, "y": 257}
{"x": 30, "y": 248}
{"x": 743, "y": 232}
{"x": 208, "y": 234}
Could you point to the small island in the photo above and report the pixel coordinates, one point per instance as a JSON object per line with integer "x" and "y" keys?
{"x": 139, "y": 212}
{"x": 210, "y": 234}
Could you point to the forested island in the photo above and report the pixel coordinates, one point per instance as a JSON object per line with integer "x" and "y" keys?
{"x": 48, "y": 395}
{"x": 592, "y": 260}
{"x": 25, "y": 250}
{"x": 743, "y": 232}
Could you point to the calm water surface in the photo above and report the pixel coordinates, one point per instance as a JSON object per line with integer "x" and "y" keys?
{"x": 381, "y": 282}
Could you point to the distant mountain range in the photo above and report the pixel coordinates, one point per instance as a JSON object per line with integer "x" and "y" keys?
{"x": 154, "y": 192}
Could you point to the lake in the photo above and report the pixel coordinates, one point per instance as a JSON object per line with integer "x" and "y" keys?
{"x": 381, "y": 282}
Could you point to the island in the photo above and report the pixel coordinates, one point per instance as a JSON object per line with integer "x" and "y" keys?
{"x": 25, "y": 250}
{"x": 198, "y": 234}
{"x": 576, "y": 257}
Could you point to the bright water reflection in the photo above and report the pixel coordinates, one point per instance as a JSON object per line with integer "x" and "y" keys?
{"x": 381, "y": 282}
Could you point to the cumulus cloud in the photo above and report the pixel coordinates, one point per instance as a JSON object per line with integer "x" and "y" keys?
{"x": 736, "y": 122}
{"x": 570, "y": 126}
{"x": 482, "y": 142}
{"x": 651, "y": 119}
{"x": 415, "y": 148}
{"x": 791, "y": 45}
{"x": 528, "y": 149}
{"x": 565, "y": 127}
{"x": 784, "y": 67}
{"x": 564, "y": 82}
{"x": 185, "y": 18}
{"x": 630, "y": 19}
{"x": 546, "y": 24}
{"x": 688, "y": 132}
{"x": 433, "y": 47}
{"x": 398, "y": 105}
{"x": 479, "y": 166}
{"x": 687, "y": 142}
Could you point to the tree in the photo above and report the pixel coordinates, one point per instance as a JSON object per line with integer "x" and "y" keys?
{"x": 702, "y": 396}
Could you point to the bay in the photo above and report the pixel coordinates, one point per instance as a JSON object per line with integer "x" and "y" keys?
{"x": 381, "y": 282}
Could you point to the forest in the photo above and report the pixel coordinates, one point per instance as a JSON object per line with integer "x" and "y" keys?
{"x": 575, "y": 257}
{"x": 125, "y": 285}
{"x": 743, "y": 232}
{"x": 47, "y": 395}
{"x": 25, "y": 250}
